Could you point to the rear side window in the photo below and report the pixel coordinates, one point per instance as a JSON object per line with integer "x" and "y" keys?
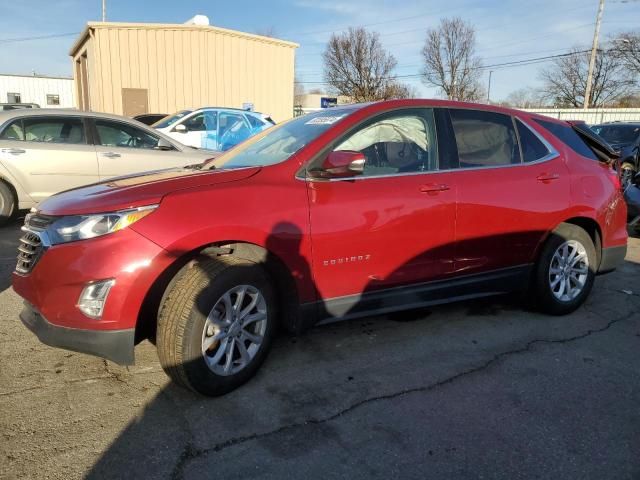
{"x": 532, "y": 147}
{"x": 255, "y": 123}
{"x": 13, "y": 132}
{"x": 67, "y": 130}
{"x": 196, "y": 123}
{"x": 569, "y": 137}
{"x": 484, "y": 139}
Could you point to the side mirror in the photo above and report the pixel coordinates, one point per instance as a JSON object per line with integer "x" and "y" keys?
{"x": 163, "y": 145}
{"x": 180, "y": 128}
{"x": 342, "y": 163}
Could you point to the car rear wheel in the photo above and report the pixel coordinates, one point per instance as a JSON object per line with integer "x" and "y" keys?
{"x": 565, "y": 271}
{"x": 7, "y": 203}
{"x": 215, "y": 324}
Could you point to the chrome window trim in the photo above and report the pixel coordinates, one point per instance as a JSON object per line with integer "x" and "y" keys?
{"x": 550, "y": 147}
{"x": 553, "y": 154}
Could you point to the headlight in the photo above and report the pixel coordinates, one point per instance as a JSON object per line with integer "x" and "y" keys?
{"x": 80, "y": 227}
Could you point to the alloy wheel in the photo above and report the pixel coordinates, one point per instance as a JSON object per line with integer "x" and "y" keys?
{"x": 568, "y": 271}
{"x": 234, "y": 330}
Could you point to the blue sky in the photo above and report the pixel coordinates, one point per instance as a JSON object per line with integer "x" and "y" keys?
{"x": 507, "y": 30}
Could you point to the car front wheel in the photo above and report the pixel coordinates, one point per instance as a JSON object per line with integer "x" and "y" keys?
{"x": 565, "y": 271}
{"x": 215, "y": 324}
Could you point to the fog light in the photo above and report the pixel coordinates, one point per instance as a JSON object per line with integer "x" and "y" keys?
{"x": 93, "y": 298}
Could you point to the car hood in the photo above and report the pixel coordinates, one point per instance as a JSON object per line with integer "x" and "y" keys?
{"x": 620, "y": 146}
{"x": 136, "y": 190}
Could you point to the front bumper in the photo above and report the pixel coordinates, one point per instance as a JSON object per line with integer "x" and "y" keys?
{"x": 114, "y": 345}
{"x": 52, "y": 288}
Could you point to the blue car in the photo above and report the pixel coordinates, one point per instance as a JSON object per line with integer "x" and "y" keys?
{"x": 213, "y": 128}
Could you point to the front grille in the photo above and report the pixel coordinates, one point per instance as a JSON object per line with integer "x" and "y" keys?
{"x": 29, "y": 252}
{"x": 31, "y": 246}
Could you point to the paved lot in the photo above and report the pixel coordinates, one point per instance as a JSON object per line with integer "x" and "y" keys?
{"x": 474, "y": 390}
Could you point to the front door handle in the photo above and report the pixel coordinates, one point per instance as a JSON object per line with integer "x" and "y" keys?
{"x": 547, "y": 177}
{"x": 111, "y": 154}
{"x": 434, "y": 188}
{"x": 13, "y": 151}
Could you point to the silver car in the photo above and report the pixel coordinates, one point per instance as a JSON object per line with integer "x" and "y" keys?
{"x": 44, "y": 151}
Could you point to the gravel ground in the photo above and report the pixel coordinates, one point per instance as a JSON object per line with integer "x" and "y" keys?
{"x": 481, "y": 389}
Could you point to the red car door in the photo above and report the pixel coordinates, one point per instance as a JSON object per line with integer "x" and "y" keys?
{"x": 505, "y": 205}
{"x": 394, "y": 224}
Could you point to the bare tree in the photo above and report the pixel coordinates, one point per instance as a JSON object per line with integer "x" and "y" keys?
{"x": 626, "y": 47}
{"x": 399, "y": 90}
{"x": 450, "y": 60}
{"x": 524, "y": 98}
{"x": 565, "y": 81}
{"x": 357, "y": 65}
{"x": 298, "y": 91}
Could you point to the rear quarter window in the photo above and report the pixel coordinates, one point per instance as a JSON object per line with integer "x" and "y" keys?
{"x": 566, "y": 134}
{"x": 532, "y": 147}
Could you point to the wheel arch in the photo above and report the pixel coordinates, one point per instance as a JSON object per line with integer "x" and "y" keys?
{"x": 16, "y": 201}
{"x": 12, "y": 187}
{"x": 588, "y": 224}
{"x": 285, "y": 286}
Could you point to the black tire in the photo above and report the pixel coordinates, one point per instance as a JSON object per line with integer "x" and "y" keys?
{"x": 183, "y": 315}
{"x": 7, "y": 203}
{"x": 545, "y": 299}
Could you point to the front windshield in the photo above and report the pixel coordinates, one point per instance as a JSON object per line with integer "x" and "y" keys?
{"x": 171, "y": 119}
{"x": 278, "y": 143}
{"x": 618, "y": 133}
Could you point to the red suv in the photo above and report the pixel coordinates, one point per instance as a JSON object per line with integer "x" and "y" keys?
{"x": 348, "y": 211}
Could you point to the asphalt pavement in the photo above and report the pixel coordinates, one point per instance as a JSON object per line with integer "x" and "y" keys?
{"x": 475, "y": 390}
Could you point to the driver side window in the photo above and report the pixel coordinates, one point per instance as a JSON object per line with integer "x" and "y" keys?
{"x": 396, "y": 143}
{"x": 115, "y": 134}
{"x": 196, "y": 123}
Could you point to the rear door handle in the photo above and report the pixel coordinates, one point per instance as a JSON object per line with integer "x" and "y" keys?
{"x": 110, "y": 154}
{"x": 434, "y": 188}
{"x": 13, "y": 151}
{"x": 547, "y": 177}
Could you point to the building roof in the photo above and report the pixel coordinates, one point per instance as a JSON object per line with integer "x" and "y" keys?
{"x": 91, "y": 26}
{"x": 35, "y": 76}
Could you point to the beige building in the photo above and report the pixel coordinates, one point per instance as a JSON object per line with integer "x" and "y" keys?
{"x": 133, "y": 68}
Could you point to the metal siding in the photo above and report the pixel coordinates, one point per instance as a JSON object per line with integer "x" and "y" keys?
{"x": 35, "y": 89}
{"x": 189, "y": 68}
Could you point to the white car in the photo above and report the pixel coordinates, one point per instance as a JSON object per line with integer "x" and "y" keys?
{"x": 44, "y": 151}
{"x": 213, "y": 128}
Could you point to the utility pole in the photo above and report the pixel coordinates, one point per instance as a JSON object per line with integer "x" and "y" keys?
{"x": 104, "y": 10}
{"x": 592, "y": 60}
{"x": 489, "y": 88}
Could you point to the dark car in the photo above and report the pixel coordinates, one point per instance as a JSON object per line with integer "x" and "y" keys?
{"x": 17, "y": 106}
{"x": 150, "y": 118}
{"x": 624, "y": 137}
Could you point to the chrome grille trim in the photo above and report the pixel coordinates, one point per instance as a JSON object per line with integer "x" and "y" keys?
{"x": 33, "y": 242}
{"x": 29, "y": 251}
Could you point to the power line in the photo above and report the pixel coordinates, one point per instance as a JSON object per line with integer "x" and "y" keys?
{"x": 514, "y": 63}
{"x": 41, "y": 37}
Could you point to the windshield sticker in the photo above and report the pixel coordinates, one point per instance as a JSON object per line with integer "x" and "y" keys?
{"x": 324, "y": 120}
